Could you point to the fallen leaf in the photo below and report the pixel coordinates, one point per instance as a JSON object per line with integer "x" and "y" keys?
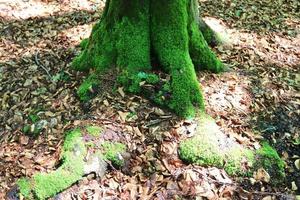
{"x": 262, "y": 175}
{"x": 297, "y": 164}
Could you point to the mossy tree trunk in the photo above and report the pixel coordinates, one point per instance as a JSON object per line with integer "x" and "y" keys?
{"x": 132, "y": 33}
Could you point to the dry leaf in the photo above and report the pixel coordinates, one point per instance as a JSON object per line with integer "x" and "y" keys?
{"x": 262, "y": 175}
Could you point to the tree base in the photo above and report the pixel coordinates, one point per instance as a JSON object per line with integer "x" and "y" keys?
{"x": 131, "y": 35}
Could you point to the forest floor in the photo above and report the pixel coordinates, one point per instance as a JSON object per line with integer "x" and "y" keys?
{"x": 258, "y": 99}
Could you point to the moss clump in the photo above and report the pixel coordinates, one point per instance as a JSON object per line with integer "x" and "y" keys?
{"x": 73, "y": 167}
{"x": 209, "y": 147}
{"x": 94, "y": 130}
{"x": 132, "y": 83}
{"x": 88, "y": 88}
{"x": 238, "y": 161}
{"x": 172, "y": 50}
{"x": 268, "y": 158}
{"x": 25, "y": 188}
{"x": 112, "y": 151}
{"x": 84, "y": 43}
{"x": 204, "y": 153}
{"x": 42, "y": 185}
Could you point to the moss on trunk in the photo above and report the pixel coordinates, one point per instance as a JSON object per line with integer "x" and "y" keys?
{"x": 132, "y": 33}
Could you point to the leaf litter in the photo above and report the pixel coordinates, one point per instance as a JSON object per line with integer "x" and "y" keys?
{"x": 38, "y": 92}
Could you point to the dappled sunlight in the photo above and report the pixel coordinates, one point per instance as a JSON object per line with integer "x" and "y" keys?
{"x": 77, "y": 33}
{"x": 22, "y": 10}
{"x": 221, "y": 29}
{"x": 225, "y": 95}
{"x": 260, "y": 16}
{"x": 272, "y": 48}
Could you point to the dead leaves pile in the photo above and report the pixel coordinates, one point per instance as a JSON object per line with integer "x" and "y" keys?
{"x": 261, "y": 16}
{"x": 153, "y": 169}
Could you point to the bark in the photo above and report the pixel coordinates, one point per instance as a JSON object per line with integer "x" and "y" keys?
{"x": 132, "y": 33}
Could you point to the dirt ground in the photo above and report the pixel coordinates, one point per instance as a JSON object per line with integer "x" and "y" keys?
{"x": 258, "y": 99}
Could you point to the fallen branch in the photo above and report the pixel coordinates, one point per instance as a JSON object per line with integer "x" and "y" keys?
{"x": 38, "y": 63}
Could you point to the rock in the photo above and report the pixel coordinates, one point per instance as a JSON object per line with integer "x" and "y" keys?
{"x": 53, "y": 122}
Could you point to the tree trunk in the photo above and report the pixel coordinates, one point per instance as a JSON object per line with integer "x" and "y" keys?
{"x": 132, "y": 33}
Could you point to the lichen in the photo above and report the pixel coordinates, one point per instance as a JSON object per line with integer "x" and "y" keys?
{"x": 112, "y": 151}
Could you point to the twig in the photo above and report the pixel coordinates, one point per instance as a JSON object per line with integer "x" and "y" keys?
{"x": 41, "y": 65}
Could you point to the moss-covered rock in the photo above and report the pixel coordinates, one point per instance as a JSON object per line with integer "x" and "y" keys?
{"x": 45, "y": 185}
{"x": 74, "y": 166}
{"x": 210, "y": 147}
{"x": 113, "y": 151}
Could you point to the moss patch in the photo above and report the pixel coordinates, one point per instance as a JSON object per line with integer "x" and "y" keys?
{"x": 210, "y": 147}
{"x": 25, "y": 188}
{"x": 112, "y": 151}
{"x": 84, "y": 43}
{"x": 203, "y": 57}
{"x": 43, "y": 185}
{"x": 268, "y": 158}
{"x": 88, "y": 88}
{"x": 94, "y": 130}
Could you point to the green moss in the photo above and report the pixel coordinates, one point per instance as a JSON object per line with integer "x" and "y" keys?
{"x": 235, "y": 158}
{"x": 209, "y": 147}
{"x": 84, "y": 43}
{"x": 170, "y": 42}
{"x": 123, "y": 38}
{"x": 88, "y": 89}
{"x": 45, "y": 185}
{"x": 94, "y": 130}
{"x": 268, "y": 158}
{"x": 112, "y": 151}
{"x": 133, "y": 43}
{"x": 25, "y": 188}
{"x": 202, "y": 56}
{"x": 201, "y": 153}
